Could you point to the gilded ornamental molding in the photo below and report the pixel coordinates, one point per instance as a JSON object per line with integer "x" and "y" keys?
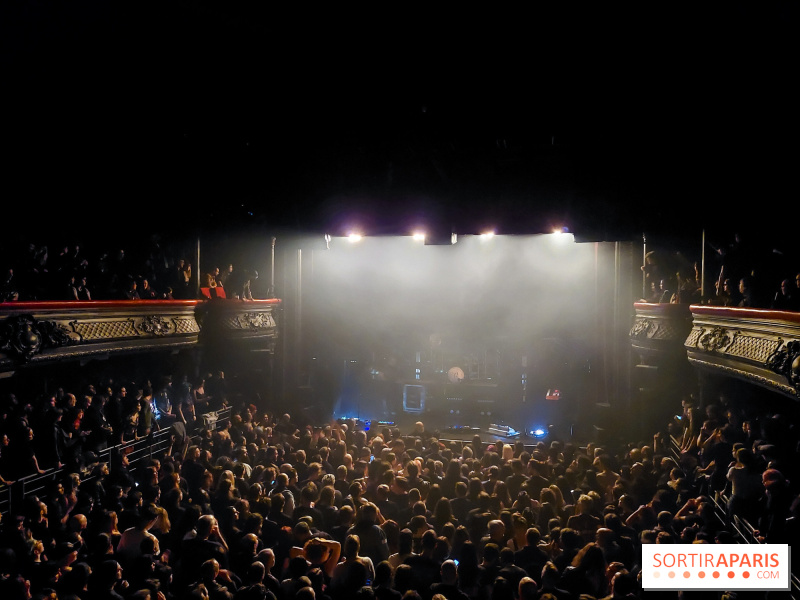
{"x": 33, "y": 332}
{"x": 759, "y": 346}
{"x": 23, "y": 336}
{"x": 254, "y": 322}
{"x": 660, "y": 328}
{"x": 38, "y": 332}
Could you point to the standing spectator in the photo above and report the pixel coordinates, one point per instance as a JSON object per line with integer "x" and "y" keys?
{"x": 130, "y": 543}
{"x": 369, "y": 532}
{"x": 182, "y": 279}
{"x": 353, "y": 572}
{"x": 25, "y": 459}
{"x": 161, "y": 404}
{"x": 749, "y": 297}
{"x": 9, "y": 290}
{"x": 146, "y": 292}
{"x": 210, "y": 279}
{"x": 776, "y": 508}
{"x": 97, "y": 424}
{"x": 184, "y": 403}
{"x": 71, "y": 288}
{"x": 448, "y": 585}
{"x": 241, "y": 287}
{"x": 585, "y": 522}
{"x": 106, "y": 581}
{"x": 206, "y": 543}
{"x": 217, "y": 388}
{"x": 225, "y": 275}
{"x": 131, "y": 291}
{"x": 787, "y": 297}
{"x": 747, "y": 487}
{"x": 727, "y": 293}
{"x": 425, "y": 569}
{"x": 83, "y": 289}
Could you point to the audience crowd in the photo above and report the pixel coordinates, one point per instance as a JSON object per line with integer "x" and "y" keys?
{"x": 266, "y": 508}
{"x": 150, "y": 271}
{"x": 740, "y": 274}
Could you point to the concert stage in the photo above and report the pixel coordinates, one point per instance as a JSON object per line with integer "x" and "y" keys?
{"x": 516, "y": 423}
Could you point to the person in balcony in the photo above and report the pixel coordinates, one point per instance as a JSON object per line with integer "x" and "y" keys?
{"x": 787, "y": 297}
{"x": 727, "y": 294}
{"x": 71, "y": 288}
{"x": 8, "y": 286}
{"x": 747, "y": 290}
{"x": 181, "y": 279}
{"x": 225, "y": 275}
{"x": 663, "y": 293}
{"x": 131, "y": 291}
{"x": 146, "y": 291}
{"x": 689, "y": 286}
{"x": 82, "y": 288}
{"x": 210, "y": 279}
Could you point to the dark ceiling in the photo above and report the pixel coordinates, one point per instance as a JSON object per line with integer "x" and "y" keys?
{"x": 611, "y": 119}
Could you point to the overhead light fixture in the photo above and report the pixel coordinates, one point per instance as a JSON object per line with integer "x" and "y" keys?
{"x": 562, "y": 235}
{"x": 439, "y": 238}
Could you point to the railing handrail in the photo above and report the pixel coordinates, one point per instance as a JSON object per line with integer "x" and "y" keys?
{"x": 23, "y": 486}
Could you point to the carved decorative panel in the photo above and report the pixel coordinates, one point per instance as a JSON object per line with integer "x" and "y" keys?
{"x": 758, "y": 346}
{"x": 105, "y": 330}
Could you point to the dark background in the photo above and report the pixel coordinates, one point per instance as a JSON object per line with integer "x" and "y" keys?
{"x": 611, "y": 119}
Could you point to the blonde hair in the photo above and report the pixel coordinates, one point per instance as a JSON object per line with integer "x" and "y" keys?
{"x": 162, "y": 523}
{"x": 508, "y": 452}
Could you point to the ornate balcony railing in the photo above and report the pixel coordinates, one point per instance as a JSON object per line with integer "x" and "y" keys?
{"x": 41, "y": 332}
{"x": 660, "y": 328}
{"x": 759, "y": 346}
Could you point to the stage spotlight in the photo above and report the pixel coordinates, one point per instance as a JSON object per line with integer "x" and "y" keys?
{"x": 538, "y": 431}
{"x": 562, "y": 234}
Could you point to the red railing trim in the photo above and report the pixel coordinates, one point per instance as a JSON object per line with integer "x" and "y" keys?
{"x": 32, "y": 306}
{"x": 751, "y": 313}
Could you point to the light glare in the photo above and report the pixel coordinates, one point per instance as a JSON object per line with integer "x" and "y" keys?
{"x": 354, "y": 237}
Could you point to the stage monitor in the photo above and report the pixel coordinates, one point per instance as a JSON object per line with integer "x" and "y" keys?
{"x": 413, "y": 398}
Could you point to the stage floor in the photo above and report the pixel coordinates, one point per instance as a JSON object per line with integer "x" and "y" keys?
{"x": 452, "y": 427}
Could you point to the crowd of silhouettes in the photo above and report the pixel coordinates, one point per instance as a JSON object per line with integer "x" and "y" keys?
{"x": 741, "y": 274}
{"x": 150, "y": 271}
{"x": 266, "y": 507}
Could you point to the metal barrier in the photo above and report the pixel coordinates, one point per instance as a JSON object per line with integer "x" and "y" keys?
{"x": 139, "y": 451}
{"x": 5, "y": 499}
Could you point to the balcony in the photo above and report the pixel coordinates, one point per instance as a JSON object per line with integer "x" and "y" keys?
{"x": 37, "y": 333}
{"x": 660, "y": 329}
{"x": 761, "y": 347}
